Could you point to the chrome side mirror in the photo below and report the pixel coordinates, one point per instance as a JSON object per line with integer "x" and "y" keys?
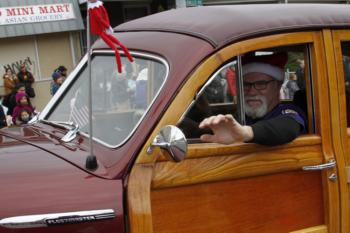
{"x": 172, "y": 142}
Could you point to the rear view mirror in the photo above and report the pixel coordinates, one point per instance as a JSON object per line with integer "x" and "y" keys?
{"x": 172, "y": 142}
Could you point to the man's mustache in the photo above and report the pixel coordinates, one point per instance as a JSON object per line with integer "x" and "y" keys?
{"x": 247, "y": 98}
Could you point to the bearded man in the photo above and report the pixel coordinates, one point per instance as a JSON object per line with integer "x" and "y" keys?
{"x": 268, "y": 121}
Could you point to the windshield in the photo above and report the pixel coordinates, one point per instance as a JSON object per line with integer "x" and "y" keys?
{"x": 119, "y": 100}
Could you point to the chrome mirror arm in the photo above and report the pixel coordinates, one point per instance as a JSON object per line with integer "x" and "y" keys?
{"x": 157, "y": 143}
{"x": 172, "y": 141}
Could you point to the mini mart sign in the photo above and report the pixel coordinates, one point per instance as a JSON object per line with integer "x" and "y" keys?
{"x": 36, "y": 13}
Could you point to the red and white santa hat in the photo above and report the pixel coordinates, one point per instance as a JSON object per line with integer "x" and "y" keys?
{"x": 272, "y": 65}
{"x": 96, "y": 4}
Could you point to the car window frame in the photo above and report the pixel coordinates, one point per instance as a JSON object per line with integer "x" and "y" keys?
{"x": 309, "y": 86}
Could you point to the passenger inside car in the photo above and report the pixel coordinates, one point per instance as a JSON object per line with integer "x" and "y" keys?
{"x": 263, "y": 77}
{"x": 258, "y": 88}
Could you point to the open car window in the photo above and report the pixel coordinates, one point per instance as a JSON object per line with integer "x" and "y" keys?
{"x": 119, "y": 100}
{"x": 346, "y": 70}
{"x": 223, "y": 92}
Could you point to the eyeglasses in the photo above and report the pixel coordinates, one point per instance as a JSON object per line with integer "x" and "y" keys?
{"x": 258, "y": 85}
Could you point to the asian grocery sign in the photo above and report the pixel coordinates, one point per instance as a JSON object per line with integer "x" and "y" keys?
{"x": 36, "y": 13}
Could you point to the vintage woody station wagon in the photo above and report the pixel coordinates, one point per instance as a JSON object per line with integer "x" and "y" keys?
{"x": 153, "y": 174}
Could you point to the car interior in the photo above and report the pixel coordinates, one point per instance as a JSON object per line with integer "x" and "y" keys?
{"x": 346, "y": 69}
{"x": 222, "y": 96}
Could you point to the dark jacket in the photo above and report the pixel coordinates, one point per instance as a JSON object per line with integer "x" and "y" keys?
{"x": 2, "y": 118}
{"x": 25, "y": 77}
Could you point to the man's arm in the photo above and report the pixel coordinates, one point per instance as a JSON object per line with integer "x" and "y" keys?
{"x": 227, "y": 130}
{"x": 276, "y": 131}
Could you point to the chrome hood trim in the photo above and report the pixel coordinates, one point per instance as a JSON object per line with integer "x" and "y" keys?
{"x": 46, "y": 220}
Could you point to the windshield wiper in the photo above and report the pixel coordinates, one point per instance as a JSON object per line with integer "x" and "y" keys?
{"x": 73, "y": 128}
{"x": 62, "y": 124}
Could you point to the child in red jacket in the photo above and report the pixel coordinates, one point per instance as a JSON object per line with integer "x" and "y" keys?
{"x": 23, "y": 102}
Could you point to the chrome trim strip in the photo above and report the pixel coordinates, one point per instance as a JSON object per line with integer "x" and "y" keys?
{"x": 73, "y": 74}
{"x": 240, "y": 89}
{"x": 46, "y": 220}
{"x": 310, "y": 77}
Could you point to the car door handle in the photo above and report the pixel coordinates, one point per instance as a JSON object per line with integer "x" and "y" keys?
{"x": 46, "y": 220}
{"x": 332, "y": 163}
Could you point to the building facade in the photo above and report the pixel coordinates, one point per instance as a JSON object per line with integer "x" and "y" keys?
{"x": 42, "y": 34}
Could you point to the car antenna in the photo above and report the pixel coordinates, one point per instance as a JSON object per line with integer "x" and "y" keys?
{"x": 91, "y": 161}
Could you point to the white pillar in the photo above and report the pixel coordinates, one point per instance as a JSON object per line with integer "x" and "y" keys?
{"x": 180, "y": 3}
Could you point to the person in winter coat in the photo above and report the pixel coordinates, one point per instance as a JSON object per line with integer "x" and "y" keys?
{"x": 9, "y": 101}
{"x": 24, "y": 117}
{"x": 56, "y": 83}
{"x": 292, "y": 85}
{"x": 62, "y": 70}
{"x": 3, "y": 122}
{"x": 27, "y": 78}
{"x": 10, "y": 81}
{"x": 268, "y": 120}
{"x": 23, "y": 102}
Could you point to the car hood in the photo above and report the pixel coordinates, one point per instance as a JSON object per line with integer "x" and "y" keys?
{"x": 43, "y": 138}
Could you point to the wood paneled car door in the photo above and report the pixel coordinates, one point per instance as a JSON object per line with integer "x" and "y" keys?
{"x": 242, "y": 187}
{"x": 340, "y": 97}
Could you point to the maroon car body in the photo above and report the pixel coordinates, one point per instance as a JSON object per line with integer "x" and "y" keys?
{"x": 41, "y": 175}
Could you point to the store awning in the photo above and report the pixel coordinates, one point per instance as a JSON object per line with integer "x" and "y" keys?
{"x": 84, "y": 1}
{"x": 32, "y": 17}
{"x": 226, "y": 2}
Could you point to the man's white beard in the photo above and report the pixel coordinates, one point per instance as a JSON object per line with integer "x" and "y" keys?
{"x": 256, "y": 112}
